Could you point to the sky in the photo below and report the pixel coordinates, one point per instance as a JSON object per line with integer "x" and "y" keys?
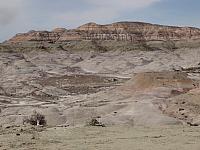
{"x": 19, "y": 16}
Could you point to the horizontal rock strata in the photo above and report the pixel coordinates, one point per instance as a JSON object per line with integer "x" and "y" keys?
{"x": 122, "y": 31}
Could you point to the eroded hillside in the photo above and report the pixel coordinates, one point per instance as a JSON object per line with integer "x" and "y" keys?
{"x": 116, "y": 36}
{"x": 123, "y": 73}
{"x": 72, "y": 87}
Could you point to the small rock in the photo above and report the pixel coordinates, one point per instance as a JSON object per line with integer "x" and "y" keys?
{"x": 8, "y": 127}
{"x": 181, "y": 109}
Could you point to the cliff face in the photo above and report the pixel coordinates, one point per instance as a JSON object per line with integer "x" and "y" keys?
{"x": 121, "y": 31}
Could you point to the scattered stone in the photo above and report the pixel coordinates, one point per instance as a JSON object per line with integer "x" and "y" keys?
{"x": 193, "y": 124}
{"x": 63, "y": 126}
{"x": 181, "y": 109}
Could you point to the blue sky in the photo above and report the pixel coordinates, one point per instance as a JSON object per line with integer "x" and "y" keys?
{"x": 18, "y": 16}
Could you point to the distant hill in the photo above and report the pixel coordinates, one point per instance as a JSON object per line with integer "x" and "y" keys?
{"x": 125, "y": 34}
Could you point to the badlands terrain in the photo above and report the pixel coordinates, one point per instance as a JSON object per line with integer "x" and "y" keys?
{"x": 138, "y": 82}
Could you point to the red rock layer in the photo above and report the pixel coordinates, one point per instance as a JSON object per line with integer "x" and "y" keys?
{"x": 122, "y": 31}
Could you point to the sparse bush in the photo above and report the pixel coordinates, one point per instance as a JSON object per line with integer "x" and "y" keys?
{"x": 36, "y": 119}
{"x": 170, "y": 45}
{"x": 95, "y": 122}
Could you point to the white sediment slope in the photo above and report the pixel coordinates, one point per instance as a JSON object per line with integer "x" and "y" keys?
{"x": 73, "y": 87}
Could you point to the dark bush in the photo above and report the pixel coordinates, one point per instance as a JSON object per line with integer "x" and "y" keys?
{"x": 36, "y": 119}
{"x": 95, "y": 122}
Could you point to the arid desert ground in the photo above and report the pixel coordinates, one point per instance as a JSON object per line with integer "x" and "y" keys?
{"x": 86, "y": 95}
{"x": 142, "y": 100}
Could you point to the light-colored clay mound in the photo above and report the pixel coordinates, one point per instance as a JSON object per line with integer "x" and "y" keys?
{"x": 150, "y": 80}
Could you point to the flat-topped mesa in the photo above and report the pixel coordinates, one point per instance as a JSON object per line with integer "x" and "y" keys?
{"x": 118, "y": 27}
{"x": 120, "y": 31}
{"x": 39, "y": 36}
{"x": 133, "y": 31}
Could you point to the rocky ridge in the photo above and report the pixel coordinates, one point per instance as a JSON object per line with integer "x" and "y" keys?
{"x": 134, "y": 32}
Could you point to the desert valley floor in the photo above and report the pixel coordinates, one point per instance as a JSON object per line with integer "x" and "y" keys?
{"x": 145, "y": 99}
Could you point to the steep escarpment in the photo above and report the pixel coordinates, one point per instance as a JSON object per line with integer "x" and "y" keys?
{"x": 135, "y": 31}
{"x": 131, "y": 32}
{"x": 127, "y": 31}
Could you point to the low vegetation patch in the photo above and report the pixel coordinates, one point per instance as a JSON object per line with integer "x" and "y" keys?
{"x": 95, "y": 122}
{"x": 36, "y": 119}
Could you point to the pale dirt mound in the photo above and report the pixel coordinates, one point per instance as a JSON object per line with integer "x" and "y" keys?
{"x": 151, "y": 91}
{"x": 180, "y": 94}
{"x": 150, "y": 80}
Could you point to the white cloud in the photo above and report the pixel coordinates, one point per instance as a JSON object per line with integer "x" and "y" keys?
{"x": 98, "y": 10}
{"x": 9, "y": 10}
{"x": 95, "y": 15}
{"x": 122, "y": 4}
{"x": 103, "y": 10}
